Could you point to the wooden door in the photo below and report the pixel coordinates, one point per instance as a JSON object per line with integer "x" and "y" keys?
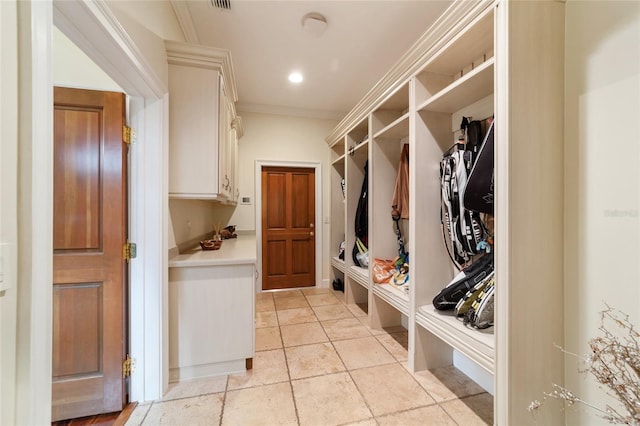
{"x": 288, "y": 227}
{"x": 89, "y": 273}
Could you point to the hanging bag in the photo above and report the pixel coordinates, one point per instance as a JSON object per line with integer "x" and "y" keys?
{"x": 449, "y": 296}
{"x": 478, "y": 194}
{"x": 362, "y": 256}
{"x": 382, "y": 270}
{"x": 362, "y": 220}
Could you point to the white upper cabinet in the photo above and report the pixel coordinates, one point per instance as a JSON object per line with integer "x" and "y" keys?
{"x": 202, "y": 98}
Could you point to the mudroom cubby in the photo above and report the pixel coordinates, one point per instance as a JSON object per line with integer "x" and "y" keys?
{"x": 390, "y": 124}
{"x": 338, "y": 211}
{"x": 357, "y": 161}
{"x": 391, "y": 118}
{"x": 470, "y": 64}
{"x": 468, "y": 92}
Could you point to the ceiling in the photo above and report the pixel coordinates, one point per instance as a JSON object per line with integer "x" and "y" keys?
{"x": 361, "y": 42}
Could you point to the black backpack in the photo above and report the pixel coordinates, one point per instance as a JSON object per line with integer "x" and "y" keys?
{"x": 362, "y": 216}
{"x": 478, "y": 194}
{"x": 463, "y": 282}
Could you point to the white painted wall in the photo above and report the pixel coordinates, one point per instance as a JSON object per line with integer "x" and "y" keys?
{"x": 72, "y": 68}
{"x": 8, "y": 208}
{"x": 156, "y": 16}
{"x": 191, "y": 219}
{"x": 282, "y": 138}
{"x": 602, "y": 179}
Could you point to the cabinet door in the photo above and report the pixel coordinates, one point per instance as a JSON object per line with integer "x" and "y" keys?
{"x": 224, "y": 149}
{"x": 233, "y": 163}
{"x": 193, "y": 132}
{"x": 211, "y": 317}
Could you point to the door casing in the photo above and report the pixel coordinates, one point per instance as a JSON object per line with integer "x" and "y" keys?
{"x": 318, "y": 213}
{"x": 88, "y": 24}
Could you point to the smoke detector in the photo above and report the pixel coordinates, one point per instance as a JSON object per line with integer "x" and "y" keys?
{"x": 314, "y": 23}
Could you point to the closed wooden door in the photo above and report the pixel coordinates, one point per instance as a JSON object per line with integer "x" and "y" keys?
{"x": 89, "y": 273}
{"x": 288, "y": 227}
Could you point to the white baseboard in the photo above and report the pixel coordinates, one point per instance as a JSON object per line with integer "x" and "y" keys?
{"x": 473, "y": 371}
{"x": 206, "y": 370}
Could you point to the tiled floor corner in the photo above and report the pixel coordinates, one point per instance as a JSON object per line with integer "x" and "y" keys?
{"x": 318, "y": 362}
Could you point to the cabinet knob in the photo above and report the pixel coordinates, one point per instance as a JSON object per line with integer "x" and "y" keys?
{"x": 311, "y": 234}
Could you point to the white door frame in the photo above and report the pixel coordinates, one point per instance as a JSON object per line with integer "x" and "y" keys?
{"x": 318, "y": 213}
{"x": 96, "y": 31}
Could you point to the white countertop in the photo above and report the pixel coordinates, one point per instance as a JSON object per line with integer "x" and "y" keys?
{"x": 234, "y": 251}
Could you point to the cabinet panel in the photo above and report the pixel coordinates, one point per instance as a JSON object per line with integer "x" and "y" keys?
{"x": 202, "y": 140}
{"x": 210, "y": 319}
{"x": 193, "y": 131}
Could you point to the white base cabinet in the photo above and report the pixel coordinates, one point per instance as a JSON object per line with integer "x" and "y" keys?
{"x": 211, "y": 320}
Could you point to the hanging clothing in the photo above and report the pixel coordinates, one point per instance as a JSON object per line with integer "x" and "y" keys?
{"x": 400, "y": 200}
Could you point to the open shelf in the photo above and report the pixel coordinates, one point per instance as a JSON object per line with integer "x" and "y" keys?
{"x": 339, "y": 162}
{"x": 477, "y": 345}
{"x": 338, "y": 263}
{"x": 477, "y": 38}
{"x": 359, "y": 149}
{"x": 358, "y": 133}
{"x": 394, "y": 296}
{"x": 397, "y": 129}
{"x": 473, "y": 86}
{"x": 360, "y": 275}
{"x": 337, "y": 150}
{"x": 397, "y": 101}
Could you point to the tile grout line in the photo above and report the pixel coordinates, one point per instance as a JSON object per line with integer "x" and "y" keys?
{"x": 348, "y": 371}
{"x": 147, "y": 413}
{"x": 224, "y": 400}
{"x": 286, "y": 363}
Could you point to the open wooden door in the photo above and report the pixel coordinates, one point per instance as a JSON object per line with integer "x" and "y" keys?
{"x": 89, "y": 272}
{"x": 288, "y": 227}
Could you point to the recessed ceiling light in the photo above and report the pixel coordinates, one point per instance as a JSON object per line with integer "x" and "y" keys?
{"x": 295, "y": 77}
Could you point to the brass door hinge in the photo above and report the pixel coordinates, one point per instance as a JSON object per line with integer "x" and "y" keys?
{"x": 127, "y": 367}
{"x": 128, "y": 135}
{"x": 129, "y": 251}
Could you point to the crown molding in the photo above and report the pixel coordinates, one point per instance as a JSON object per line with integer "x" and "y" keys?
{"x": 450, "y": 23}
{"x": 289, "y": 111}
{"x": 236, "y": 123}
{"x": 197, "y": 55}
{"x": 183, "y": 15}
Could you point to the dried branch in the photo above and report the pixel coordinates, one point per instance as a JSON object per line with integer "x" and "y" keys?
{"x": 615, "y": 363}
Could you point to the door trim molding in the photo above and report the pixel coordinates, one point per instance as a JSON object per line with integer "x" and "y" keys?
{"x": 90, "y": 25}
{"x": 34, "y": 310}
{"x": 35, "y": 207}
{"x": 317, "y": 166}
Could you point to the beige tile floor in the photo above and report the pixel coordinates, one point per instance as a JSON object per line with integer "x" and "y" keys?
{"x": 318, "y": 363}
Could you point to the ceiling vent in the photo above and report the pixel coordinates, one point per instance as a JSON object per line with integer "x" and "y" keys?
{"x": 221, "y": 4}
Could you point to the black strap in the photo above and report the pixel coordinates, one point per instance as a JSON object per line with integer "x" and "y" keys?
{"x": 401, "y": 250}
